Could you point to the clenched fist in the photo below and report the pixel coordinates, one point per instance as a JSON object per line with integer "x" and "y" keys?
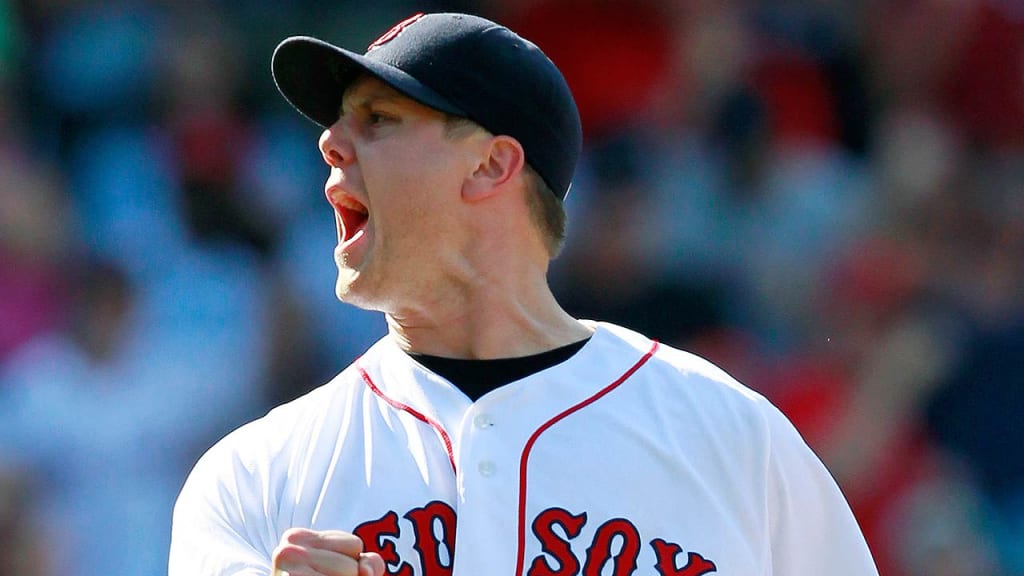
{"x": 304, "y": 552}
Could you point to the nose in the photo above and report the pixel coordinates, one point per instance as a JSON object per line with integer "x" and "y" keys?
{"x": 335, "y": 146}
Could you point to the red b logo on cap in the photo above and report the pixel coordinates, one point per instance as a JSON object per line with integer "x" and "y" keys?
{"x": 394, "y": 32}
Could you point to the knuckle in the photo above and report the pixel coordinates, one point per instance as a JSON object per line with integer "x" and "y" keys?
{"x": 295, "y": 536}
{"x": 289, "y": 556}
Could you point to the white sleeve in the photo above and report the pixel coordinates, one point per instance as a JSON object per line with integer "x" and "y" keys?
{"x": 813, "y": 530}
{"x": 221, "y": 520}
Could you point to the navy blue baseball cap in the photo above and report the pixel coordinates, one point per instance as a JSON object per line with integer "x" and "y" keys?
{"x": 459, "y": 64}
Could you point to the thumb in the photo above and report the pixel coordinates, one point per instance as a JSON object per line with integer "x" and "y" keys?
{"x": 371, "y": 564}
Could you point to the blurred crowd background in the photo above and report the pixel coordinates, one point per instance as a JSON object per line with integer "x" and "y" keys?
{"x": 825, "y": 197}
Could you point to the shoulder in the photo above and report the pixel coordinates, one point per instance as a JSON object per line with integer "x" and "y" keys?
{"x": 251, "y": 448}
{"x": 227, "y": 513}
{"x": 682, "y": 370}
{"x": 256, "y": 457}
{"x": 264, "y": 448}
{"x": 698, "y": 389}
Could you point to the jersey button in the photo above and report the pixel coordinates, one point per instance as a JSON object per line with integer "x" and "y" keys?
{"x": 486, "y": 468}
{"x": 483, "y": 421}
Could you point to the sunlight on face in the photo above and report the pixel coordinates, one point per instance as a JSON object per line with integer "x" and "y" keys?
{"x": 394, "y": 185}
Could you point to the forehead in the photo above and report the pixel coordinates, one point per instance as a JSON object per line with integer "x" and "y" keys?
{"x": 366, "y": 89}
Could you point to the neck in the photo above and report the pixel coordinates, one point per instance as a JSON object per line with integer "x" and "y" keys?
{"x": 489, "y": 297}
{"x": 486, "y": 323}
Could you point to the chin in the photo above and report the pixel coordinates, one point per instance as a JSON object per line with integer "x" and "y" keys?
{"x": 344, "y": 285}
{"x": 350, "y": 290}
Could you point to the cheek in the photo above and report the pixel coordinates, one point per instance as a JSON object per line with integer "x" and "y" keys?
{"x": 412, "y": 189}
{"x": 399, "y": 208}
{"x": 403, "y": 171}
{"x": 413, "y": 185}
{"x": 416, "y": 225}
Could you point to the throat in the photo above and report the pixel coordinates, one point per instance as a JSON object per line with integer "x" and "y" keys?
{"x": 476, "y": 378}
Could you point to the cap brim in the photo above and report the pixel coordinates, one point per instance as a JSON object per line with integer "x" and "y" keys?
{"x": 313, "y": 75}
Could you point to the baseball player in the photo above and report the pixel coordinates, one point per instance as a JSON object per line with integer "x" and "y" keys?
{"x": 490, "y": 433}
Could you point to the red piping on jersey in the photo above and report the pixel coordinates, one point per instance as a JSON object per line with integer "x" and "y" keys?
{"x": 415, "y": 413}
{"x": 520, "y": 556}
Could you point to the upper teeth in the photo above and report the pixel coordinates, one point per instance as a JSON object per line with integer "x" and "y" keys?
{"x": 348, "y": 202}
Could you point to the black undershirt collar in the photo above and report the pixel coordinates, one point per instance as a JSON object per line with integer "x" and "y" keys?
{"x": 478, "y": 377}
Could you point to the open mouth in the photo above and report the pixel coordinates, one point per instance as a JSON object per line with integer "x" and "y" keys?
{"x": 352, "y": 217}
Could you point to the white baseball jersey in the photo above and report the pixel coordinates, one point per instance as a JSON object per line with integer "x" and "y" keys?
{"x": 629, "y": 458}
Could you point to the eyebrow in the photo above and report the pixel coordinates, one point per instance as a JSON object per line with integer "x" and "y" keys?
{"x": 364, "y": 101}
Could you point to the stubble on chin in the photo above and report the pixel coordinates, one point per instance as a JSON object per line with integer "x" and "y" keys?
{"x": 351, "y": 288}
{"x": 344, "y": 284}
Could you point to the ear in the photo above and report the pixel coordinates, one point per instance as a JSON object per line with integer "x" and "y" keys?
{"x": 502, "y": 160}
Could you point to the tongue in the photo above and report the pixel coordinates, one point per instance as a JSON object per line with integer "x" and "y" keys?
{"x": 352, "y": 222}
{"x": 355, "y": 236}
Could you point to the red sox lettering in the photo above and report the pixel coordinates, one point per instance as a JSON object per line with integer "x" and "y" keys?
{"x": 394, "y": 32}
{"x": 378, "y": 536}
{"x": 616, "y": 543}
{"x": 600, "y": 551}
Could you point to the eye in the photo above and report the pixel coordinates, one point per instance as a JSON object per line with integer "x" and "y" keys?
{"x": 376, "y": 118}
